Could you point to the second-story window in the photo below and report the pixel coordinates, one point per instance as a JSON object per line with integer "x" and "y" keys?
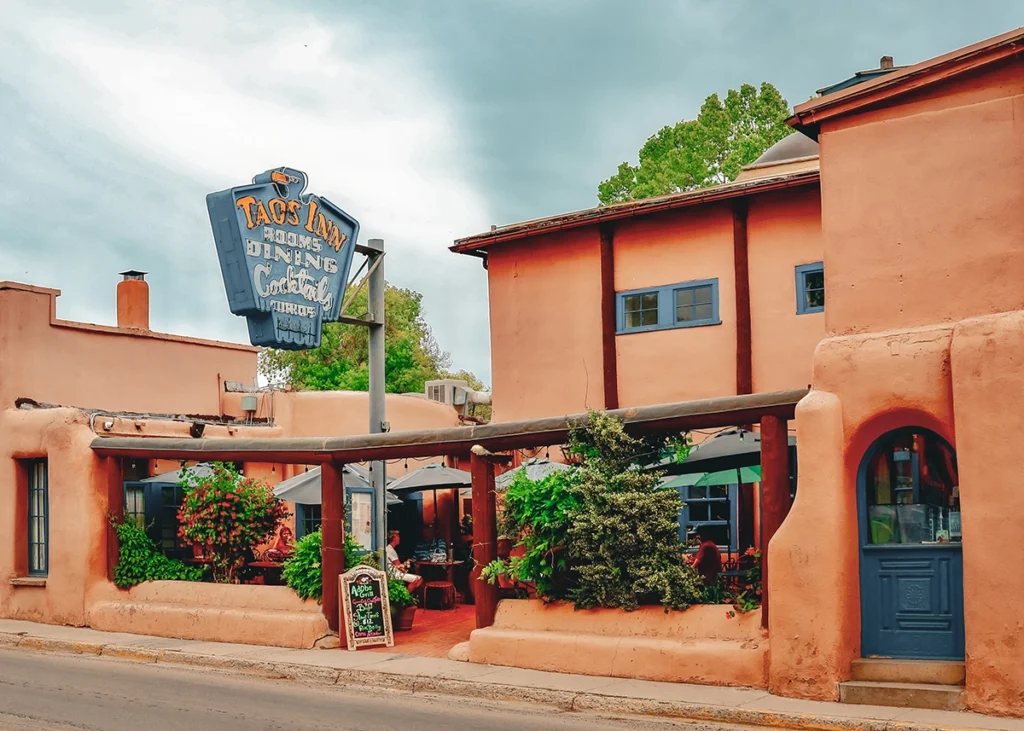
{"x": 810, "y": 288}
{"x": 685, "y": 304}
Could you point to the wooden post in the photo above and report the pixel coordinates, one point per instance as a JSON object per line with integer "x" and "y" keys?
{"x": 609, "y": 357}
{"x": 115, "y": 508}
{"x": 485, "y": 538}
{"x": 775, "y": 500}
{"x": 741, "y": 265}
{"x": 332, "y": 533}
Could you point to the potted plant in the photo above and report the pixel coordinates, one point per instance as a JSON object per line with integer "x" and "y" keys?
{"x": 403, "y": 605}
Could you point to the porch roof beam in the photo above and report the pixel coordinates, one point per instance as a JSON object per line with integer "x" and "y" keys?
{"x": 499, "y": 437}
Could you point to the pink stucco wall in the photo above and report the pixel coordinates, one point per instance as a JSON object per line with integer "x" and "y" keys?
{"x": 58, "y": 362}
{"x": 924, "y": 253}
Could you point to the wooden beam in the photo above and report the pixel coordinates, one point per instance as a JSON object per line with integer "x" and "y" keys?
{"x": 496, "y": 437}
{"x": 609, "y": 357}
{"x": 115, "y": 509}
{"x": 485, "y": 538}
{"x": 741, "y": 266}
{"x": 775, "y": 500}
{"x": 332, "y": 534}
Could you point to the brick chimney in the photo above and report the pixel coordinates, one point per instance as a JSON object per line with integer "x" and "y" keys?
{"x": 885, "y": 63}
{"x": 133, "y": 301}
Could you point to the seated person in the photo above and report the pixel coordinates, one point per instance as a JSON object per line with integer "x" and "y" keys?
{"x": 396, "y": 568}
{"x": 282, "y": 547}
{"x": 708, "y": 559}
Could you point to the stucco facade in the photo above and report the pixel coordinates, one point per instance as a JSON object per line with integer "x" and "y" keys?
{"x": 64, "y": 383}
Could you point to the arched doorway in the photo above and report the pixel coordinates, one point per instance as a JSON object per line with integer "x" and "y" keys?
{"x": 911, "y": 567}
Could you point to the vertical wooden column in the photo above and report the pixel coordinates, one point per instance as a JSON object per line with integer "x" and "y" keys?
{"x": 485, "y": 538}
{"x": 775, "y": 501}
{"x": 741, "y": 266}
{"x": 609, "y": 358}
{"x": 332, "y": 532}
{"x": 115, "y": 509}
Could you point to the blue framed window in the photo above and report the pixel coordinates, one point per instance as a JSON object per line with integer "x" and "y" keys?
{"x": 713, "y": 511}
{"x": 38, "y": 518}
{"x": 810, "y": 288}
{"x": 686, "y": 304}
{"x": 307, "y": 519}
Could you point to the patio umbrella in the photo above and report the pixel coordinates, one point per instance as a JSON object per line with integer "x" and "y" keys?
{"x": 536, "y": 468}
{"x": 306, "y": 489}
{"x": 203, "y": 469}
{"x": 432, "y": 477}
{"x": 729, "y": 450}
{"x": 745, "y": 475}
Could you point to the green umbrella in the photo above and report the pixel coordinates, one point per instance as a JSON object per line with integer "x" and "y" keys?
{"x": 746, "y": 475}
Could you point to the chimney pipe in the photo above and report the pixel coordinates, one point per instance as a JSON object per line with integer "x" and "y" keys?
{"x": 133, "y": 301}
{"x": 886, "y": 62}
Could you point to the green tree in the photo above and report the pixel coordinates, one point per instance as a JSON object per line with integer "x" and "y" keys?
{"x": 708, "y": 150}
{"x": 341, "y": 363}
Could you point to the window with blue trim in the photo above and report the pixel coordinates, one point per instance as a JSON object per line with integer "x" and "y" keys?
{"x": 38, "y": 518}
{"x": 686, "y": 304}
{"x": 307, "y": 519}
{"x": 810, "y": 288}
{"x": 711, "y": 510}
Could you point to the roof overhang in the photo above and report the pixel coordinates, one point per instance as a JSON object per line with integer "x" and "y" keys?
{"x": 807, "y": 117}
{"x": 475, "y": 244}
{"x": 501, "y": 437}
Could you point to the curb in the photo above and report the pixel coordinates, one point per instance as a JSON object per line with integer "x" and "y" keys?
{"x": 560, "y": 699}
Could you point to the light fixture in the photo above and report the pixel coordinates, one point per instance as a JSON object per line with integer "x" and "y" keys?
{"x": 108, "y": 425}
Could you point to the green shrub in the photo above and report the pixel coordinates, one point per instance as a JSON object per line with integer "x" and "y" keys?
{"x": 624, "y": 531}
{"x": 303, "y": 570}
{"x": 536, "y": 515}
{"x": 400, "y": 595}
{"x": 139, "y": 560}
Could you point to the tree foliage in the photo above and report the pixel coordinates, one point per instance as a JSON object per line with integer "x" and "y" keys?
{"x": 708, "y": 150}
{"x": 341, "y": 363}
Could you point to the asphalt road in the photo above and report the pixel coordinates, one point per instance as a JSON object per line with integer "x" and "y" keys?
{"x": 55, "y": 692}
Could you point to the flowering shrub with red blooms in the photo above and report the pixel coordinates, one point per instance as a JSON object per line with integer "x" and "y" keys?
{"x": 750, "y": 598}
{"x": 224, "y": 515}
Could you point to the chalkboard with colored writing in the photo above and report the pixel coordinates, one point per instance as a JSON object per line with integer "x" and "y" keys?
{"x": 366, "y": 609}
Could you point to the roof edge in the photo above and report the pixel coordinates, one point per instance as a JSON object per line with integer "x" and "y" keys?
{"x": 807, "y": 117}
{"x": 736, "y": 189}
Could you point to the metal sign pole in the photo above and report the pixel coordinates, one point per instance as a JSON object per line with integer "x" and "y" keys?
{"x": 378, "y": 423}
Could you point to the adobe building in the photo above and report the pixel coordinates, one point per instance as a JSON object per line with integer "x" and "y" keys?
{"x": 65, "y": 382}
{"x": 898, "y": 558}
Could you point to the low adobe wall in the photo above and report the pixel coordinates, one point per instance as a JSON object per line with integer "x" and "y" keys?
{"x": 254, "y": 615}
{"x": 699, "y": 645}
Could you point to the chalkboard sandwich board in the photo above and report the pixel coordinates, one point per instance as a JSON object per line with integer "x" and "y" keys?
{"x": 366, "y": 608}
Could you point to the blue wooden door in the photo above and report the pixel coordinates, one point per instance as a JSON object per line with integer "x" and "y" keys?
{"x": 911, "y": 565}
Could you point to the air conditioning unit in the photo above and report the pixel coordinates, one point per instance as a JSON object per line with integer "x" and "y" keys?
{"x": 447, "y": 391}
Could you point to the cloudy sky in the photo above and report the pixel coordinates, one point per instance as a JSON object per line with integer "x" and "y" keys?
{"x": 427, "y": 120}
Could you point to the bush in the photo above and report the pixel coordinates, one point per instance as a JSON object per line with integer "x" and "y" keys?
{"x": 303, "y": 570}
{"x": 226, "y": 515}
{"x": 536, "y": 515}
{"x": 399, "y": 594}
{"x": 624, "y": 533}
{"x": 139, "y": 560}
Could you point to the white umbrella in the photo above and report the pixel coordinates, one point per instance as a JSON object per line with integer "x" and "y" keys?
{"x": 305, "y": 488}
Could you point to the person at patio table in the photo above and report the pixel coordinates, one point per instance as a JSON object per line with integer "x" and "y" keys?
{"x": 282, "y": 547}
{"x": 708, "y": 560}
{"x": 396, "y": 567}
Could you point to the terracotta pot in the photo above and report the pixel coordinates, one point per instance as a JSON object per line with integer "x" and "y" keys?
{"x": 404, "y": 618}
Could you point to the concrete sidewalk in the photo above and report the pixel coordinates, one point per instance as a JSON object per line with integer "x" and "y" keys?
{"x": 448, "y": 677}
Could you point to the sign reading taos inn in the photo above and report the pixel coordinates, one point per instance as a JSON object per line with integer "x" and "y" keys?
{"x": 285, "y": 256}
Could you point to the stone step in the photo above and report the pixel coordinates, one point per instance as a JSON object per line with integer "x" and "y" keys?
{"x": 902, "y": 695}
{"x": 929, "y": 672}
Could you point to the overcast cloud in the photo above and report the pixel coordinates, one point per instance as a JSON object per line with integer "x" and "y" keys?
{"x": 427, "y": 121}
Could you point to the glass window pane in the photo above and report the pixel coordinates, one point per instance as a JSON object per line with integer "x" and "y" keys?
{"x": 814, "y": 280}
{"x": 649, "y": 317}
{"x": 702, "y": 312}
{"x": 719, "y": 491}
{"x": 650, "y": 301}
{"x": 632, "y": 319}
{"x": 702, "y": 295}
{"x": 631, "y": 303}
{"x": 684, "y": 313}
{"x": 720, "y": 510}
{"x": 717, "y": 533}
{"x": 699, "y": 512}
{"x": 698, "y": 491}
{"x": 684, "y": 297}
{"x": 815, "y": 298}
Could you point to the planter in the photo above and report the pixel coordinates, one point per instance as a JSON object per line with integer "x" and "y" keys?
{"x": 403, "y": 618}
